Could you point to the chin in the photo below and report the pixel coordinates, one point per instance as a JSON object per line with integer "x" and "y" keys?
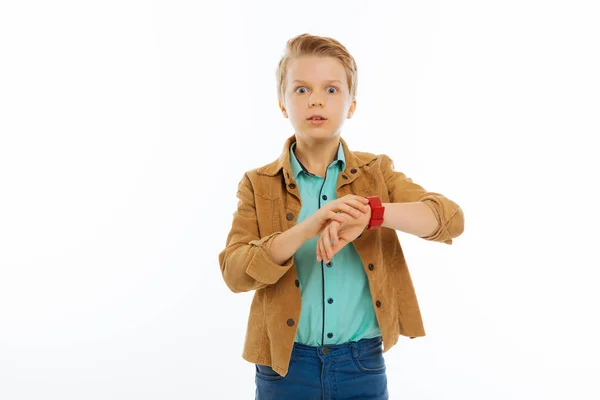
{"x": 318, "y": 134}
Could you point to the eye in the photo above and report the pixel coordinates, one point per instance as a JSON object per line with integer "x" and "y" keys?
{"x": 302, "y": 87}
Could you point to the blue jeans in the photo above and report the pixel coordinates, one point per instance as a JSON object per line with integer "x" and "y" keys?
{"x": 353, "y": 370}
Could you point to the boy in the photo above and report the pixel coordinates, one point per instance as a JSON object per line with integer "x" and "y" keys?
{"x": 314, "y": 235}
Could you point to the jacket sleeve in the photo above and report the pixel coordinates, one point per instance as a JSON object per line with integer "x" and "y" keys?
{"x": 402, "y": 189}
{"x": 245, "y": 262}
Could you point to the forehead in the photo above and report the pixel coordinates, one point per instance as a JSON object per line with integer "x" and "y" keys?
{"x": 316, "y": 70}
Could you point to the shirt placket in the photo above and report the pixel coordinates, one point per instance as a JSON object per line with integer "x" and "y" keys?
{"x": 326, "y": 195}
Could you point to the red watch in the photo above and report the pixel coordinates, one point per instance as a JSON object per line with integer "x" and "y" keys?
{"x": 377, "y": 210}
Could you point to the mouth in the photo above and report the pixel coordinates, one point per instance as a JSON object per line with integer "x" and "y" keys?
{"x": 316, "y": 119}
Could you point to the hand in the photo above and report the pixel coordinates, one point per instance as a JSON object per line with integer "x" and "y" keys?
{"x": 341, "y": 233}
{"x": 350, "y": 204}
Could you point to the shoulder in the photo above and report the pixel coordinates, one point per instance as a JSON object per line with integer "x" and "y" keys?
{"x": 378, "y": 162}
{"x": 257, "y": 182}
{"x": 365, "y": 157}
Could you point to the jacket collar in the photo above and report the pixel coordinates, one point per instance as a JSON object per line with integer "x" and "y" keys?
{"x": 283, "y": 161}
{"x": 297, "y": 166}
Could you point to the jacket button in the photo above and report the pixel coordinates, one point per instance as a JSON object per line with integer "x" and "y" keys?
{"x": 371, "y": 267}
{"x": 292, "y": 185}
{"x": 330, "y": 335}
{"x": 330, "y": 300}
{"x": 289, "y": 216}
{"x": 297, "y": 283}
{"x": 378, "y": 303}
{"x": 290, "y": 322}
{"x": 353, "y": 170}
{"x": 345, "y": 176}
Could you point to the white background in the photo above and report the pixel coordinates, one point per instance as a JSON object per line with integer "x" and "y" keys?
{"x": 125, "y": 127}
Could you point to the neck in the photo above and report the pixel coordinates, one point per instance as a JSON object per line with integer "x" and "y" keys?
{"x": 316, "y": 155}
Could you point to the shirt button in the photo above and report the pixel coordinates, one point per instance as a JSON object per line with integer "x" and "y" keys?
{"x": 324, "y": 197}
{"x": 297, "y": 283}
{"x": 371, "y": 267}
{"x": 330, "y": 300}
{"x": 329, "y": 264}
{"x": 330, "y": 335}
{"x": 378, "y": 303}
{"x": 289, "y": 216}
{"x": 290, "y": 322}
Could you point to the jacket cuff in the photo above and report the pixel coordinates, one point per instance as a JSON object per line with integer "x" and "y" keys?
{"x": 450, "y": 221}
{"x": 261, "y": 266}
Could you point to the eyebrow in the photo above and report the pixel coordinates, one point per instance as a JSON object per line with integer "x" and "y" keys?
{"x": 329, "y": 81}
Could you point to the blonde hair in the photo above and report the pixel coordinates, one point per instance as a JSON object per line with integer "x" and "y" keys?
{"x": 311, "y": 45}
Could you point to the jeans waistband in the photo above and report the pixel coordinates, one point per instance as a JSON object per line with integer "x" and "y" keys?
{"x": 337, "y": 349}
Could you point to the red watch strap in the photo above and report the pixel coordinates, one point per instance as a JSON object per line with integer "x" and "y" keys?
{"x": 377, "y": 211}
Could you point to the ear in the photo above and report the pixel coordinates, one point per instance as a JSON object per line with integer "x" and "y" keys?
{"x": 282, "y": 108}
{"x": 351, "y": 109}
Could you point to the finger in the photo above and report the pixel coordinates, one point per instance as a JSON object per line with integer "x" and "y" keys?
{"x": 340, "y": 204}
{"x": 338, "y": 245}
{"x": 322, "y": 249}
{"x": 322, "y": 244}
{"x": 344, "y": 208}
{"x": 337, "y": 217}
{"x": 351, "y": 206}
{"x": 354, "y": 209}
{"x": 334, "y": 233}
{"x": 325, "y": 242}
{"x": 362, "y": 207}
{"x": 343, "y": 217}
{"x": 319, "y": 252}
{"x": 358, "y": 205}
{"x": 361, "y": 199}
{"x": 334, "y": 249}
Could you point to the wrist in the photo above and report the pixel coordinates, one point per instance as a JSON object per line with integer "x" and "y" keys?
{"x": 304, "y": 230}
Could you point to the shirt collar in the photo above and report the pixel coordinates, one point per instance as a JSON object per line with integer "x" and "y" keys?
{"x": 297, "y": 166}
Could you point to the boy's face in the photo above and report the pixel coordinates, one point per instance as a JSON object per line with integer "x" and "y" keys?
{"x": 310, "y": 90}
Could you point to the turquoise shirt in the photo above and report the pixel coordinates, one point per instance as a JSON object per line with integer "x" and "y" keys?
{"x": 337, "y": 306}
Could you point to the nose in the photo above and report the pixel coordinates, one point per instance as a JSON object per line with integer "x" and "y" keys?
{"x": 312, "y": 103}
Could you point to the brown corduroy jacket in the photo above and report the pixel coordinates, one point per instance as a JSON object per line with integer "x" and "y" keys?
{"x": 269, "y": 203}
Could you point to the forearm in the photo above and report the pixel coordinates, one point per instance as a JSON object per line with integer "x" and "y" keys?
{"x": 415, "y": 218}
{"x": 287, "y": 243}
